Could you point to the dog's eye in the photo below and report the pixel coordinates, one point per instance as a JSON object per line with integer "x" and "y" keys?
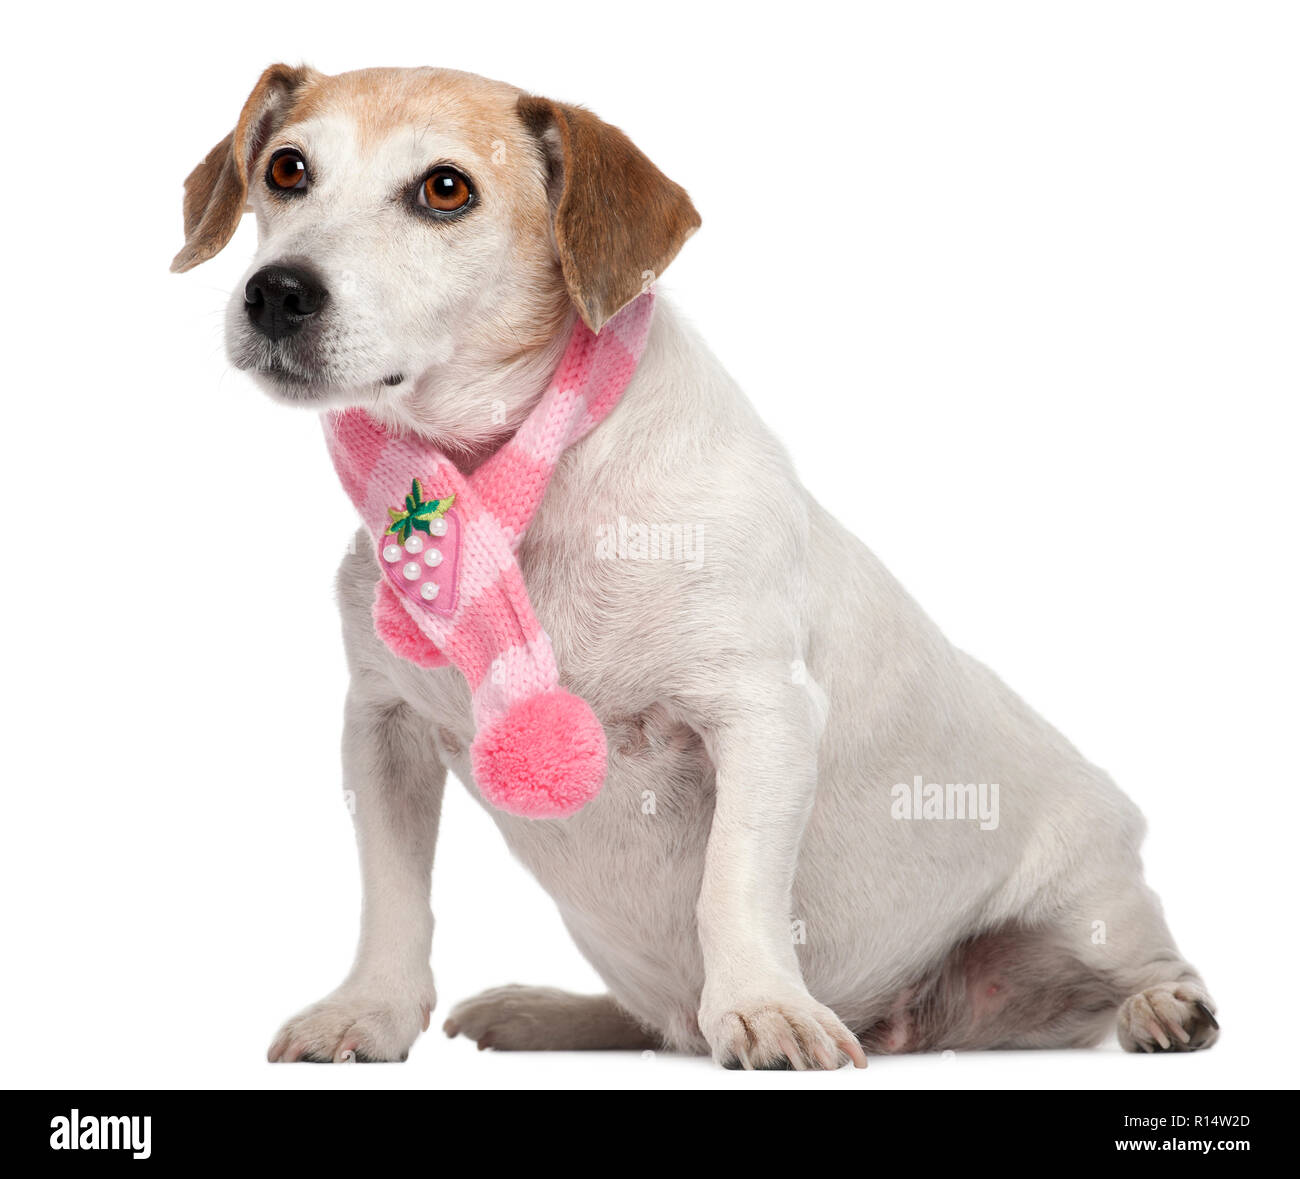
{"x": 287, "y": 170}
{"x": 445, "y": 191}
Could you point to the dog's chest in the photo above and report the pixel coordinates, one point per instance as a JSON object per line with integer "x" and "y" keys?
{"x": 644, "y": 834}
{"x": 655, "y": 761}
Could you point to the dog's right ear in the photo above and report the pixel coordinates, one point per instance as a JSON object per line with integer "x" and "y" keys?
{"x": 216, "y": 192}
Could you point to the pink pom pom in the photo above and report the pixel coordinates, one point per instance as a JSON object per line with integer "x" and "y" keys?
{"x": 545, "y": 759}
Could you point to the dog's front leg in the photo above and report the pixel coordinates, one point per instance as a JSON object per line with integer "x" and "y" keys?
{"x": 755, "y": 1011}
{"x": 394, "y": 782}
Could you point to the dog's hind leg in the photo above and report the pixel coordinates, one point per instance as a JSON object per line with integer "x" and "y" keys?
{"x": 543, "y": 1019}
{"x": 1122, "y": 936}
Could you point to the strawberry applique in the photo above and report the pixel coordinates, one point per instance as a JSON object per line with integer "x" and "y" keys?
{"x": 419, "y": 550}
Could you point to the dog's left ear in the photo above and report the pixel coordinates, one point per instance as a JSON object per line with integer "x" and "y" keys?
{"x": 217, "y": 190}
{"x": 618, "y": 220}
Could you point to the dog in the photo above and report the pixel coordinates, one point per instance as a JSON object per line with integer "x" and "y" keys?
{"x": 824, "y": 831}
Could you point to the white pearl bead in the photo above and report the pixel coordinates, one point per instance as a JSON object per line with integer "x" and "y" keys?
{"x": 428, "y": 591}
{"x": 438, "y": 527}
{"x": 433, "y": 557}
{"x": 411, "y": 570}
{"x": 414, "y": 544}
{"x": 392, "y": 553}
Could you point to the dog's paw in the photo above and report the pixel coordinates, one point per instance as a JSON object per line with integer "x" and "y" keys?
{"x": 510, "y": 1019}
{"x": 1169, "y": 1017}
{"x": 793, "y": 1032}
{"x": 352, "y": 1025}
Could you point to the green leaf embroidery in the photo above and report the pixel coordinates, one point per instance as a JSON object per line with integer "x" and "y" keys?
{"x": 418, "y": 515}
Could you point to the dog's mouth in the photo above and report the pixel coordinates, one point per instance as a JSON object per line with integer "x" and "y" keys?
{"x": 291, "y": 381}
{"x": 307, "y": 369}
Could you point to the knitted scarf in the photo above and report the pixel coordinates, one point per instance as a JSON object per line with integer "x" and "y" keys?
{"x": 450, "y": 589}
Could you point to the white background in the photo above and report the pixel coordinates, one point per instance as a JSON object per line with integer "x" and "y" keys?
{"x": 1017, "y": 285}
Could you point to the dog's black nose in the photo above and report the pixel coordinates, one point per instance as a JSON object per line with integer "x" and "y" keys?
{"x": 280, "y": 299}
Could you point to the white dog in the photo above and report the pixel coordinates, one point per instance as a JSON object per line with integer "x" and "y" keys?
{"x": 824, "y": 831}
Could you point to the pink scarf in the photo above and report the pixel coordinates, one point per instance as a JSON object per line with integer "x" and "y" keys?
{"x": 451, "y": 589}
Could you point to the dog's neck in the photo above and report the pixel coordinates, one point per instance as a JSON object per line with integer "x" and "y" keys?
{"x": 469, "y": 406}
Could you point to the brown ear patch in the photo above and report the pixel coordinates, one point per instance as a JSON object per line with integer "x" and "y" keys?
{"x": 618, "y": 221}
{"x": 217, "y": 190}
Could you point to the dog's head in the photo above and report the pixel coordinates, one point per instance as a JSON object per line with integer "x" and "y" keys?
{"x": 423, "y": 235}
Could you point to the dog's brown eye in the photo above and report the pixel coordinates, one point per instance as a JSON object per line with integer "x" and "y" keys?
{"x": 288, "y": 170}
{"x": 445, "y": 190}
